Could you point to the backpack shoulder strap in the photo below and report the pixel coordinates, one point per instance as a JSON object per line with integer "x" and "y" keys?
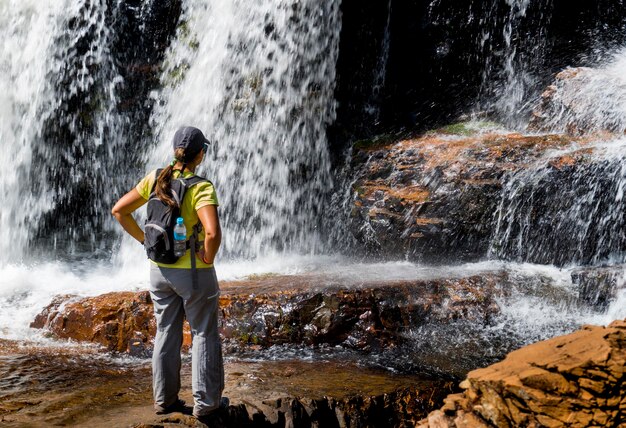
{"x": 156, "y": 177}
{"x": 193, "y": 180}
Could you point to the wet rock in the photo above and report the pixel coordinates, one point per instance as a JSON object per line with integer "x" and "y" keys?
{"x": 575, "y": 380}
{"x": 433, "y": 198}
{"x": 122, "y": 322}
{"x": 77, "y": 386}
{"x": 305, "y": 310}
{"x": 598, "y": 286}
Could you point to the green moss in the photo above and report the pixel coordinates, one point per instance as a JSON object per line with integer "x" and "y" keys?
{"x": 185, "y": 35}
{"x": 467, "y": 128}
{"x": 359, "y": 190}
{"x": 373, "y": 143}
{"x": 249, "y": 338}
{"x": 176, "y": 75}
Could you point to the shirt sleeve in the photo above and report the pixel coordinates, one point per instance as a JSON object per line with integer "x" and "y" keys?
{"x": 144, "y": 187}
{"x": 205, "y": 195}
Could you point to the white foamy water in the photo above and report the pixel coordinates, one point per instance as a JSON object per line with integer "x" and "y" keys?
{"x": 54, "y": 55}
{"x": 258, "y": 79}
{"x": 589, "y": 99}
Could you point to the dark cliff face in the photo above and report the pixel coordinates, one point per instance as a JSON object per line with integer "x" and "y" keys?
{"x": 445, "y": 58}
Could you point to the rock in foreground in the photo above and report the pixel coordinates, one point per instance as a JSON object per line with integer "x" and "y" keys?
{"x": 575, "y": 380}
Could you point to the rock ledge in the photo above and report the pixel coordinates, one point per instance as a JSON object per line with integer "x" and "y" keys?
{"x": 575, "y": 380}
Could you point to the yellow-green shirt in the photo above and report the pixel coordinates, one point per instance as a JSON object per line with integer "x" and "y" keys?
{"x": 198, "y": 196}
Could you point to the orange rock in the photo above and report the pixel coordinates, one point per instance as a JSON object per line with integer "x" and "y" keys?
{"x": 575, "y": 380}
{"x": 118, "y": 321}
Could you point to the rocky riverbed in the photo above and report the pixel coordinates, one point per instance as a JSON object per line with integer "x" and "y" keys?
{"x": 80, "y": 386}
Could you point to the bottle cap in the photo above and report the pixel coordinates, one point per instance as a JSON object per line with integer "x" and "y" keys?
{"x": 179, "y": 220}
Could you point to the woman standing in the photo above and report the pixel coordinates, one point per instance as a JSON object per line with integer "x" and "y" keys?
{"x": 172, "y": 285}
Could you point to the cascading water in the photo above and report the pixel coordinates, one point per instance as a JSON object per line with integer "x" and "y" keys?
{"x": 372, "y": 108}
{"x": 581, "y": 203}
{"x": 510, "y": 43}
{"x": 565, "y": 214}
{"x": 515, "y": 79}
{"x": 66, "y": 139}
{"x": 259, "y": 80}
{"x": 64, "y": 127}
{"x": 25, "y": 98}
{"x": 587, "y": 99}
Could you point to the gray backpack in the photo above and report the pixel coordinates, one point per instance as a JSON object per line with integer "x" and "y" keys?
{"x": 161, "y": 219}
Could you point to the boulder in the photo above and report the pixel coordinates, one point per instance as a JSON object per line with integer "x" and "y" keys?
{"x": 121, "y": 322}
{"x": 433, "y": 198}
{"x": 575, "y": 380}
{"x": 301, "y": 310}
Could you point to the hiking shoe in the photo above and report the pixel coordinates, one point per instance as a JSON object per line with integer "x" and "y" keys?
{"x": 213, "y": 414}
{"x": 176, "y": 406}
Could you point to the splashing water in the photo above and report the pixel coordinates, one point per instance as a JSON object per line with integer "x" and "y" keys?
{"x": 60, "y": 130}
{"x": 588, "y": 99}
{"x": 509, "y": 43}
{"x": 516, "y": 77}
{"x": 258, "y": 79}
{"x": 565, "y": 214}
{"x": 372, "y": 108}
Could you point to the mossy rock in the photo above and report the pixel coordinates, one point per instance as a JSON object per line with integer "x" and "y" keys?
{"x": 375, "y": 142}
{"x": 467, "y": 128}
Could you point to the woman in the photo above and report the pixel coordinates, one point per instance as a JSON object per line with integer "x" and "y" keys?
{"x": 171, "y": 285}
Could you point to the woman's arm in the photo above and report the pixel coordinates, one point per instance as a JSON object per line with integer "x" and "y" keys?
{"x": 212, "y": 232}
{"x": 123, "y": 210}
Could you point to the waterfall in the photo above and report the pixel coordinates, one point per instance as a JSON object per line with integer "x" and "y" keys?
{"x": 24, "y": 99}
{"x": 567, "y": 209}
{"x": 258, "y": 79}
{"x": 513, "y": 57}
{"x": 62, "y": 129}
{"x": 508, "y": 42}
{"x": 78, "y": 79}
{"x": 372, "y": 108}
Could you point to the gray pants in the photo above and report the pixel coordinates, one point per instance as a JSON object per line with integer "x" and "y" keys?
{"x": 174, "y": 298}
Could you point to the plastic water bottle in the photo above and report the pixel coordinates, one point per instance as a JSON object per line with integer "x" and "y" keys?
{"x": 180, "y": 238}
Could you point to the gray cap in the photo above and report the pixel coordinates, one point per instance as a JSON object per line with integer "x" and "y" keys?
{"x": 191, "y": 139}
